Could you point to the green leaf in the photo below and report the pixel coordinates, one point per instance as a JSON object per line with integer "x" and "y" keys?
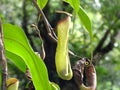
{"x": 16, "y": 42}
{"x": 17, "y": 60}
{"x": 85, "y": 21}
{"x": 42, "y": 3}
{"x": 82, "y": 15}
{"x": 74, "y": 3}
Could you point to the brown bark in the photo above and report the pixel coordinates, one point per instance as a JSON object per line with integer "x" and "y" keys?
{"x": 3, "y": 60}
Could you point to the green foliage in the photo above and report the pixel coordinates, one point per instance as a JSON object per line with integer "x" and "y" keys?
{"x": 82, "y": 15}
{"x": 85, "y": 21}
{"x": 17, "y": 60}
{"x": 16, "y": 45}
{"x": 103, "y": 14}
{"x": 42, "y": 3}
{"x": 74, "y": 3}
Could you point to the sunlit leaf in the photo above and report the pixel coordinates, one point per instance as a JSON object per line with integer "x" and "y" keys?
{"x": 17, "y": 60}
{"x": 42, "y": 3}
{"x": 74, "y": 3}
{"x": 85, "y": 21}
{"x": 16, "y": 42}
{"x": 82, "y": 15}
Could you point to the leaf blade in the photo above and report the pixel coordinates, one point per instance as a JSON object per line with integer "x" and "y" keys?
{"x": 85, "y": 21}
{"x": 74, "y": 3}
{"x": 82, "y": 16}
{"x": 42, "y": 3}
{"x": 16, "y": 42}
{"x": 17, "y": 60}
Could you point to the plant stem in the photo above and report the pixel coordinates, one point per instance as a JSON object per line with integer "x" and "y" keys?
{"x": 48, "y": 26}
{"x": 3, "y": 60}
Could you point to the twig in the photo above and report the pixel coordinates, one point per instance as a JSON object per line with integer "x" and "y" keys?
{"x": 48, "y": 26}
{"x": 103, "y": 39}
{"x": 59, "y": 11}
{"x": 100, "y": 44}
{"x": 3, "y": 60}
{"x": 34, "y": 26}
{"x": 43, "y": 51}
{"x": 73, "y": 54}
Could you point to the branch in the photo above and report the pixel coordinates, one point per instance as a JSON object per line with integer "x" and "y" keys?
{"x": 47, "y": 25}
{"x": 110, "y": 45}
{"x": 3, "y": 60}
{"x": 104, "y": 50}
{"x": 100, "y": 44}
{"x": 49, "y": 29}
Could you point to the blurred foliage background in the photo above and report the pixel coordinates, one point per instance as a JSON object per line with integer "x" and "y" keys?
{"x": 105, "y": 17}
